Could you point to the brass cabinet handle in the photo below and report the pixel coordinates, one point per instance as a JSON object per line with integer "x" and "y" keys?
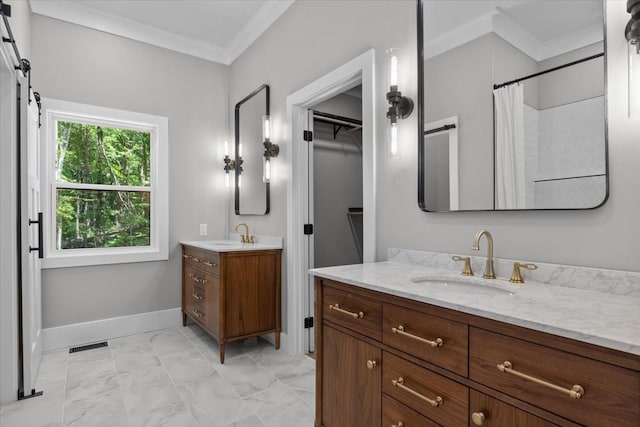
{"x": 478, "y": 418}
{"x": 197, "y": 313}
{"x": 210, "y": 264}
{"x": 575, "y": 392}
{"x": 197, "y": 279}
{"x": 371, "y": 364}
{"x": 435, "y": 343}
{"x": 433, "y": 402}
{"x": 399, "y": 424}
{"x": 185, "y": 256}
{"x": 196, "y": 259}
{"x": 336, "y": 307}
{"x": 196, "y": 296}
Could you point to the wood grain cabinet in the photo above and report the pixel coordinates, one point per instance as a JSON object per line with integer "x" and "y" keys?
{"x": 388, "y": 361}
{"x": 232, "y": 295}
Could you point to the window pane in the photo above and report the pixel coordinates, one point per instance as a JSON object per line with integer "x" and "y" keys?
{"x": 91, "y": 154}
{"x": 102, "y": 219}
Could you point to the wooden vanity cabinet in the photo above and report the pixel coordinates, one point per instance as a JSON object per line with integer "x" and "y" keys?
{"x": 232, "y": 295}
{"x": 388, "y": 361}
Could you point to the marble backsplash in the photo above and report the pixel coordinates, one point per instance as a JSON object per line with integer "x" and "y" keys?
{"x": 594, "y": 279}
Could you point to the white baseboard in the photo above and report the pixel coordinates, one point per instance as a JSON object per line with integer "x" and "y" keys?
{"x": 104, "y": 329}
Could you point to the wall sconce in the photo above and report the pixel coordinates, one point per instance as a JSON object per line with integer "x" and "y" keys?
{"x": 400, "y": 107}
{"x": 270, "y": 149}
{"x": 632, "y": 34}
{"x": 230, "y": 165}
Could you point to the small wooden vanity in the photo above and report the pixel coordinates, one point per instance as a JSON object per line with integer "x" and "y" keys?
{"x": 233, "y": 295}
{"x": 385, "y": 360}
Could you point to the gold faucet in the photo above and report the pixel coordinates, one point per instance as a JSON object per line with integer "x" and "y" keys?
{"x": 245, "y": 238}
{"x": 516, "y": 277}
{"x": 488, "y": 270}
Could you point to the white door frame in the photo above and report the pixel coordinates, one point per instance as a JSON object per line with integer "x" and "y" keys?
{"x": 360, "y": 70}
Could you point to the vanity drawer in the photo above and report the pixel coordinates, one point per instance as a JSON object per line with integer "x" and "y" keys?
{"x": 396, "y": 414}
{"x": 489, "y": 412}
{"x": 193, "y": 275}
{"x": 353, "y": 311}
{"x": 432, "y": 395}
{"x": 205, "y": 260}
{"x": 436, "y": 340}
{"x": 609, "y": 390}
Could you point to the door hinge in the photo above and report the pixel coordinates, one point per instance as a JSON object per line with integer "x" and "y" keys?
{"x": 308, "y": 322}
{"x": 307, "y": 135}
{"x": 308, "y": 229}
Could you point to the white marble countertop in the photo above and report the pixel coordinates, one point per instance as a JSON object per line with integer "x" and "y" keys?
{"x": 233, "y": 244}
{"x": 608, "y": 320}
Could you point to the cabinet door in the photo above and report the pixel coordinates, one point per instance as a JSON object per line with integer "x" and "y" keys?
{"x": 489, "y": 412}
{"x": 351, "y": 383}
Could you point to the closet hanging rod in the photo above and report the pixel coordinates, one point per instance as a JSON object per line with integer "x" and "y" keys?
{"x": 559, "y": 67}
{"x": 338, "y": 120}
{"x": 5, "y": 10}
{"x": 440, "y": 129}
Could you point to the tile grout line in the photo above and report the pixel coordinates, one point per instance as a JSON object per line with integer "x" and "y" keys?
{"x": 115, "y": 368}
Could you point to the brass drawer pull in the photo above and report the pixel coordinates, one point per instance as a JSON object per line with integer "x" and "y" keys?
{"x": 196, "y": 259}
{"x": 196, "y": 296}
{"x": 197, "y": 279}
{"x": 371, "y": 364}
{"x": 337, "y": 308}
{"x": 186, "y": 256}
{"x": 210, "y": 264}
{"x": 575, "y": 392}
{"x": 433, "y": 402}
{"x": 399, "y": 424}
{"x": 400, "y": 331}
{"x": 197, "y": 313}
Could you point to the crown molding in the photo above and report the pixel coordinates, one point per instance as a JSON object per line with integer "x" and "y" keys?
{"x": 79, "y": 14}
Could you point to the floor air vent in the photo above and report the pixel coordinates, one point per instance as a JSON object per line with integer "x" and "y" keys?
{"x": 88, "y": 347}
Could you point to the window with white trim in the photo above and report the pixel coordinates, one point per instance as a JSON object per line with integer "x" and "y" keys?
{"x": 106, "y": 198}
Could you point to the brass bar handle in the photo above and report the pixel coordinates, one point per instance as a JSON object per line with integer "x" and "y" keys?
{"x": 399, "y": 424}
{"x": 433, "y": 402}
{"x": 336, "y": 307}
{"x": 575, "y": 392}
{"x": 210, "y": 264}
{"x": 197, "y": 279}
{"x": 196, "y": 259}
{"x": 197, "y": 313}
{"x": 435, "y": 343}
{"x": 196, "y": 296}
{"x": 186, "y": 256}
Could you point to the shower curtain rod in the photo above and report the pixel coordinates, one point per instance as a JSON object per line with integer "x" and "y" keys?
{"x": 589, "y": 58}
{"x": 338, "y": 120}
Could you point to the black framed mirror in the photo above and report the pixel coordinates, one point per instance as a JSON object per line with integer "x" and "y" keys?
{"x": 511, "y": 105}
{"x": 251, "y": 192}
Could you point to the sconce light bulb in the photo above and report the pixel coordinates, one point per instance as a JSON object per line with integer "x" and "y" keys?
{"x": 393, "y": 70}
{"x": 239, "y": 181}
{"x": 393, "y": 140}
{"x": 634, "y": 81}
{"x": 240, "y": 150}
{"x": 266, "y": 177}
{"x": 226, "y": 148}
{"x": 226, "y": 180}
{"x": 266, "y": 128}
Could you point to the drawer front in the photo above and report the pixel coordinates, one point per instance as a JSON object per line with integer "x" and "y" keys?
{"x": 353, "y": 311}
{"x": 205, "y": 260}
{"x": 430, "y": 394}
{"x": 611, "y": 394}
{"x": 489, "y": 412}
{"x": 395, "y": 414}
{"x": 194, "y": 276}
{"x": 439, "y": 341}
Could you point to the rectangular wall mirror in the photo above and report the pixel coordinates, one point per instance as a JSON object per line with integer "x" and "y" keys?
{"x": 512, "y": 105}
{"x": 251, "y": 193}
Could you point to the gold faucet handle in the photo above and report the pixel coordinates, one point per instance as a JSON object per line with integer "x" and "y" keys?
{"x": 252, "y": 239}
{"x": 516, "y": 277}
{"x": 466, "y": 271}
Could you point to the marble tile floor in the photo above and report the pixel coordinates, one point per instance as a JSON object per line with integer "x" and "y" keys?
{"x": 171, "y": 377}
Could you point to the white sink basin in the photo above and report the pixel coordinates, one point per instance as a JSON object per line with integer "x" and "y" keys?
{"x": 223, "y": 243}
{"x": 480, "y": 287}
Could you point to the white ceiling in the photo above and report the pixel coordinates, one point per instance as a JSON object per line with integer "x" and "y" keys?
{"x": 217, "y": 30}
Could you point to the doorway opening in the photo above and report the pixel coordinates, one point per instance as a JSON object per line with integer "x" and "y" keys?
{"x": 326, "y": 112}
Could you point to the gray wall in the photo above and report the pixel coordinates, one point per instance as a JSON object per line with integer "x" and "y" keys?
{"x": 77, "y": 64}
{"x": 300, "y": 48}
{"x": 337, "y": 185}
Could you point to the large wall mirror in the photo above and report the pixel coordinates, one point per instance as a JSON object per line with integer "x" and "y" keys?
{"x": 512, "y": 105}
{"x": 252, "y": 194}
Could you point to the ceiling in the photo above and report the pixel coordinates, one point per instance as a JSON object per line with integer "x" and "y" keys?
{"x": 216, "y": 30}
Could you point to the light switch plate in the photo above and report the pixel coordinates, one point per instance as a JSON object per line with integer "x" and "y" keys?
{"x": 203, "y": 229}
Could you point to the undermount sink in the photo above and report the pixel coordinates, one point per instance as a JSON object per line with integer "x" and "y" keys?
{"x": 480, "y": 287}
{"x": 223, "y": 243}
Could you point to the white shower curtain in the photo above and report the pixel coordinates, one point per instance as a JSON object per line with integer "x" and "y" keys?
{"x": 509, "y": 130}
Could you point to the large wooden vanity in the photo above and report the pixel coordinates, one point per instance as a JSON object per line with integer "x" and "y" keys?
{"x": 232, "y": 295}
{"x": 384, "y": 360}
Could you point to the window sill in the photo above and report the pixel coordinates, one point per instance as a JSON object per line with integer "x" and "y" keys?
{"x": 84, "y": 258}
